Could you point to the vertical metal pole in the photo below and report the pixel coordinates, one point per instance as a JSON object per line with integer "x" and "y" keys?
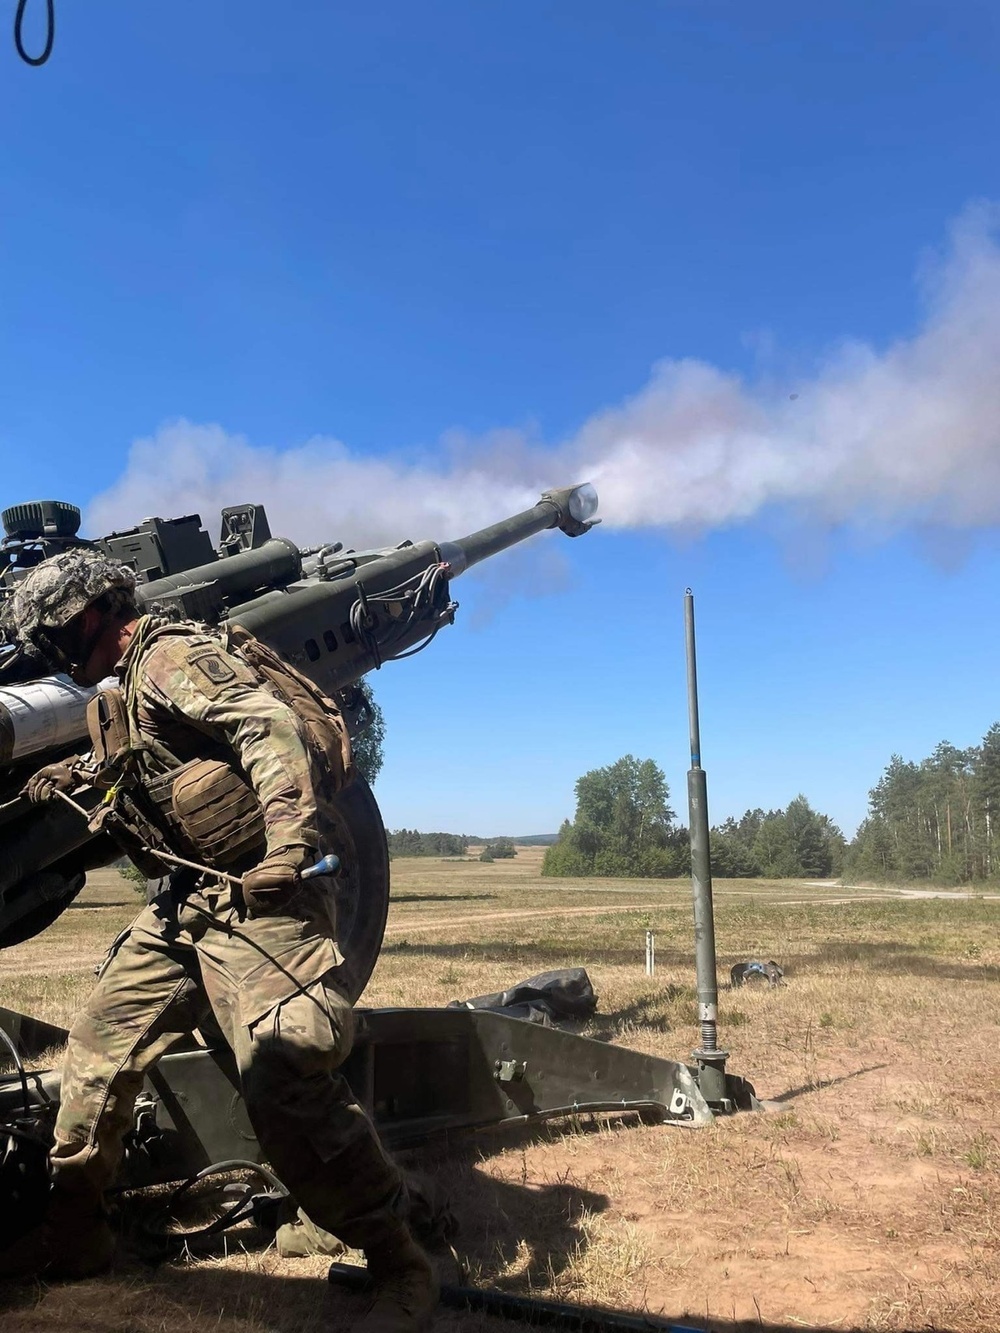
{"x": 710, "y": 1058}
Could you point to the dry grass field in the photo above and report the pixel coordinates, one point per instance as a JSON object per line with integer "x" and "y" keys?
{"x": 866, "y": 1197}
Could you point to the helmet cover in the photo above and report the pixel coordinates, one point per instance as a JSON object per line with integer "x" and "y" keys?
{"x": 59, "y": 589}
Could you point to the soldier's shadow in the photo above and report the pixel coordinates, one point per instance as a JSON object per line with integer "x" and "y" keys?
{"x": 515, "y": 1234}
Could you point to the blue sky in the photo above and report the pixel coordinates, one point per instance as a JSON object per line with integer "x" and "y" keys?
{"x": 450, "y": 237}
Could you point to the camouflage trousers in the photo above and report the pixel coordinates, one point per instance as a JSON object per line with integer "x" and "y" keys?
{"x": 268, "y": 983}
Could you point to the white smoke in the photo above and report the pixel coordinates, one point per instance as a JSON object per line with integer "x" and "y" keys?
{"x": 314, "y": 492}
{"x": 906, "y": 434}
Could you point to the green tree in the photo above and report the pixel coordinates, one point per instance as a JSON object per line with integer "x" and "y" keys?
{"x": 814, "y": 839}
{"x": 732, "y": 844}
{"x": 871, "y": 853}
{"x": 986, "y": 787}
{"x": 367, "y": 747}
{"x": 836, "y": 846}
{"x": 132, "y": 875}
{"x": 501, "y": 849}
{"x": 773, "y": 848}
{"x": 623, "y": 825}
{"x": 408, "y": 842}
{"x": 933, "y": 820}
{"x": 778, "y": 843}
{"x": 732, "y": 857}
{"x": 896, "y": 801}
{"x": 565, "y": 857}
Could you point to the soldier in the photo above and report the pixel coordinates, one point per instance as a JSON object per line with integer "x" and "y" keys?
{"x": 264, "y": 966}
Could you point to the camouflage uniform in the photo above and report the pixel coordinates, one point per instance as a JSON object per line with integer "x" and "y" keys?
{"x": 269, "y": 980}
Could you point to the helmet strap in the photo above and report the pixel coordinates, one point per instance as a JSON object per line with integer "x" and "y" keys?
{"x": 68, "y": 649}
{"x": 54, "y": 655}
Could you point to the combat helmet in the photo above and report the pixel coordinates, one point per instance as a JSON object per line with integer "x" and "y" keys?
{"x": 51, "y": 596}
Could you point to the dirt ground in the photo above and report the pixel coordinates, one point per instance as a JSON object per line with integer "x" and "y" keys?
{"x": 864, "y": 1198}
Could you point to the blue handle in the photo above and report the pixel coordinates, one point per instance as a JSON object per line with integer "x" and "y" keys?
{"x": 328, "y": 866}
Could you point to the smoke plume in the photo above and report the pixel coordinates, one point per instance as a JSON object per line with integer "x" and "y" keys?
{"x": 909, "y": 433}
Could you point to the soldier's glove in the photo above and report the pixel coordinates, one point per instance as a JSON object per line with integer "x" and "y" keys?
{"x": 270, "y": 886}
{"x": 43, "y": 785}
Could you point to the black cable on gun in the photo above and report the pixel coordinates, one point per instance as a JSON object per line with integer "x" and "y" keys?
{"x": 19, "y": 1066}
{"x": 50, "y": 33}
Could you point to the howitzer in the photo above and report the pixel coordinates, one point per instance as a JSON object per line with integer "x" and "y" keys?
{"x": 418, "y": 1072}
{"x": 336, "y": 614}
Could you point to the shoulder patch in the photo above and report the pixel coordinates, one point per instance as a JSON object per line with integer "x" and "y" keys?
{"x": 183, "y": 672}
{"x": 212, "y": 666}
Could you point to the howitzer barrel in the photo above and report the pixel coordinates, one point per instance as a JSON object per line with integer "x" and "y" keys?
{"x": 379, "y": 606}
{"x": 468, "y": 551}
{"x": 569, "y": 509}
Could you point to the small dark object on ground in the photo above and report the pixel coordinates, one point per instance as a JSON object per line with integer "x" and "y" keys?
{"x": 560, "y": 996}
{"x": 752, "y": 971}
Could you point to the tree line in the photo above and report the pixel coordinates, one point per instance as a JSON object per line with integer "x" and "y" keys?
{"x": 795, "y": 843}
{"x": 624, "y": 826}
{"x": 410, "y": 842}
{"x": 937, "y": 819}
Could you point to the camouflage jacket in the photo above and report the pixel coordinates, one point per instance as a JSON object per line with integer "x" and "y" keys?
{"x": 192, "y": 698}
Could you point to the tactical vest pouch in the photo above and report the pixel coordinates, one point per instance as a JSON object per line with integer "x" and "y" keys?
{"x": 203, "y": 811}
{"x": 107, "y": 723}
{"x": 216, "y": 811}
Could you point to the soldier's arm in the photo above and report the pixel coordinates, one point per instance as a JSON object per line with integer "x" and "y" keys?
{"x": 200, "y": 684}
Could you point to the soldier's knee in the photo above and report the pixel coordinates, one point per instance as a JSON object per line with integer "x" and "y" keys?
{"x": 309, "y": 1033}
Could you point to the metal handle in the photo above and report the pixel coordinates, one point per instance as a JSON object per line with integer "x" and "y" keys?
{"x": 328, "y": 866}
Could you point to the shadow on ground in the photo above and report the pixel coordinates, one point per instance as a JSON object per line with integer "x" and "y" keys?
{"x": 228, "y": 1301}
{"x": 534, "y": 1229}
{"x": 819, "y": 1084}
{"x": 644, "y": 1012}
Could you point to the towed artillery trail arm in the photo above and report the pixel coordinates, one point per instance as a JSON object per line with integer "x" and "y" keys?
{"x": 419, "y": 1072}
